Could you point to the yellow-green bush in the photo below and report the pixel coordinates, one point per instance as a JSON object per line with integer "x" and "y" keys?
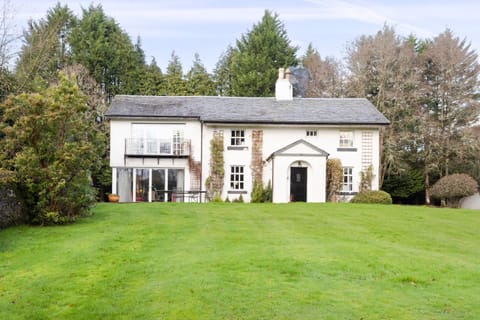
{"x": 372, "y": 196}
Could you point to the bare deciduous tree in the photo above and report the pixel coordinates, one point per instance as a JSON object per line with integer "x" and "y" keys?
{"x": 326, "y": 76}
{"x": 383, "y": 69}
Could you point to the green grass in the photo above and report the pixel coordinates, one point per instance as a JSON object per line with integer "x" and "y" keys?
{"x": 245, "y": 261}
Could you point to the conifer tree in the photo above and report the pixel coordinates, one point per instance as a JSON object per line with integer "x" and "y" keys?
{"x": 46, "y": 49}
{"x": 175, "y": 84}
{"x": 99, "y": 44}
{"x": 258, "y": 55}
{"x": 199, "y": 82}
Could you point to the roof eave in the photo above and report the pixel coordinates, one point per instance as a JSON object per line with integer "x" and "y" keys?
{"x": 298, "y": 123}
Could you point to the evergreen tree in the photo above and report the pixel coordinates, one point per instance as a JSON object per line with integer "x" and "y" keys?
{"x": 45, "y": 50}
{"x": 175, "y": 84}
{"x": 199, "y": 82}
{"x": 223, "y": 74}
{"x": 153, "y": 82}
{"x": 136, "y": 70}
{"x": 257, "y": 57}
{"x": 106, "y": 51}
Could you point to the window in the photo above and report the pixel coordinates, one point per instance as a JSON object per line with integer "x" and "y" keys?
{"x": 178, "y": 145}
{"x": 236, "y": 178}
{"x": 347, "y": 179}
{"x": 311, "y": 133}
{"x": 346, "y": 139}
{"x": 238, "y": 138}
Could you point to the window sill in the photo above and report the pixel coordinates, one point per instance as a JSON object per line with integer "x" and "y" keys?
{"x": 237, "y": 192}
{"x": 347, "y": 149}
{"x": 347, "y": 193}
{"x": 237, "y": 148}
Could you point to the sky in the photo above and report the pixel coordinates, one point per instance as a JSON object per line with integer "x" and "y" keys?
{"x": 208, "y": 27}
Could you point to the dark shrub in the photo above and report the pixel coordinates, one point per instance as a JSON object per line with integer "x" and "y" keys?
{"x": 450, "y": 189}
{"x": 372, "y": 196}
{"x": 12, "y": 208}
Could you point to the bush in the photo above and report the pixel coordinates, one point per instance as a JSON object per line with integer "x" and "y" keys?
{"x": 366, "y": 178}
{"x": 372, "y": 196}
{"x": 260, "y": 194}
{"x": 452, "y": 188}
{"x": 238, "y": 200}
{"x": 12, "y": 207}
{"x": 216, "y": 198}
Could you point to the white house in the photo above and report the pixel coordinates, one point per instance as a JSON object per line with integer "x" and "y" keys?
{"x": 160, "y": 146}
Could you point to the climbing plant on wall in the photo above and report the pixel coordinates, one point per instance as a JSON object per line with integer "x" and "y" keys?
{"x": 214, "y": 182}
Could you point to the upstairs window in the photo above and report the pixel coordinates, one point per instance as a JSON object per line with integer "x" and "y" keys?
{"x": 237, "y": 138}
{"x": 346, "y": 139}
{"x": 311, "y": 133}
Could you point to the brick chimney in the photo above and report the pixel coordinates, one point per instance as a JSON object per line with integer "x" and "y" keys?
{"x": 283, "y": 87}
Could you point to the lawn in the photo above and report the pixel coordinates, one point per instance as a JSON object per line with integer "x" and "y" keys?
{"x": 245, "y": 261}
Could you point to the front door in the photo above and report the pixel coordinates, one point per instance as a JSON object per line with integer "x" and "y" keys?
{"x": 298, "y": 184}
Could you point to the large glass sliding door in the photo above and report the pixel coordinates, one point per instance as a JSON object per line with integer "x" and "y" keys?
{"x": 125, "y": 184}
{"x": 142, "y": 177}
{"x": 175, "y": 185}
{"x": 158, "y": 185}
{"x": 161, "y": 184}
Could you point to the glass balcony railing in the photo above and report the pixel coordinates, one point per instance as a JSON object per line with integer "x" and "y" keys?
{"x": 157, "y": 147}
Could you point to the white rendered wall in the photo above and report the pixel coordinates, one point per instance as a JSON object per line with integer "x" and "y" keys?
{"x": 274, "y": 138}
{"x": 278, "y": 137}
{"x": 120, "y": 130}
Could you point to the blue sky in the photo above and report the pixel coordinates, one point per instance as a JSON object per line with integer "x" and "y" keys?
{"x": 209, "y": 26}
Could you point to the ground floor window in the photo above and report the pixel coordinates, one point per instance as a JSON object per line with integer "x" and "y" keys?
{"x": 139, "y": 184}
{"x": 236, "y": 178}
{"x": 347, "y": 179}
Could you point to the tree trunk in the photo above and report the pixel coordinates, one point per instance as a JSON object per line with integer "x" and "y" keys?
{"x": 427, "y": 191}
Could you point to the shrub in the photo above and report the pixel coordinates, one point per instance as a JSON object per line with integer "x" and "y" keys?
{"x": 452, "y": 188}
{"x": 216, "y": 198}
{"x": 238, "y": 200}
{"x": 260, "y": 194}
{"x": 366, "y": 177}
{"x": 372, "y": 196}
{"x": 53, "y": 149}
{"x": 12, "y": 207}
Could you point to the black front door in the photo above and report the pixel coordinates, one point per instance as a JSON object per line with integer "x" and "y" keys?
{"x": 298, "y": 184}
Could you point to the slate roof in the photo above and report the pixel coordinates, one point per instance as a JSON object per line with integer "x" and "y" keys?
{"x": 248, "y": 110}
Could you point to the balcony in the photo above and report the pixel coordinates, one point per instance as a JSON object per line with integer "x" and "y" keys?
{"x": 176, "y": 147}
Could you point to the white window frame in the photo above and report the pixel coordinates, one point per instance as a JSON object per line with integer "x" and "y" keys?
{"x": 346, "y": 139}
{"x": 237, "y": 178}
{"x": 347, "y": 179}
{"x": 237, "y": 137}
